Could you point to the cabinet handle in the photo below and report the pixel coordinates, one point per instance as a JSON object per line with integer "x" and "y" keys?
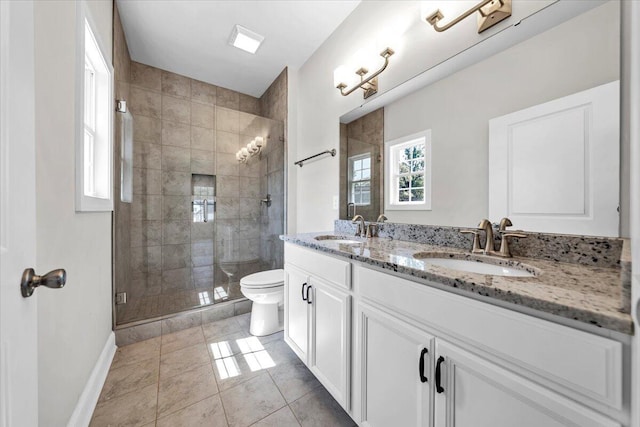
{"x": 303, "y": 297}
{"x": 308, "y": 299}
{"x": 421, "y": 365}
{"x": 439, "y": 388}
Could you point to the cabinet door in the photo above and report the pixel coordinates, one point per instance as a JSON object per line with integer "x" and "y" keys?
{"x": 475, "y": 392}
{"x": 331, "y": 335}
{"x": 393, "y": 390}
{"x": 296, "y": 309}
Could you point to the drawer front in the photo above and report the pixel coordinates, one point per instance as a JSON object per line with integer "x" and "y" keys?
{"x": 330, "y": 269}
{"x": 570, "y": 361}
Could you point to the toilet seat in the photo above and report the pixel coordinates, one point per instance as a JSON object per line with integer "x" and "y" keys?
{"x": 264, "y": 279}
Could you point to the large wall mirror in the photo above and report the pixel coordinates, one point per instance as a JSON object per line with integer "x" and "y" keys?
{"x": 530, "y": 132}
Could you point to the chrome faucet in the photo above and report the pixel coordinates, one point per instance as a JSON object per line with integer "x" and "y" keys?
{"x": 361, "y": 230}
{"x": 381, "y": 219}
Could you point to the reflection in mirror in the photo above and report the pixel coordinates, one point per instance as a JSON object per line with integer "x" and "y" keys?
{"x": 578, "y": 55}
{"x": 361, "y": 166}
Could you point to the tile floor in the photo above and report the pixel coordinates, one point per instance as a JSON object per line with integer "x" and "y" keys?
{"x": 214, "y": 375}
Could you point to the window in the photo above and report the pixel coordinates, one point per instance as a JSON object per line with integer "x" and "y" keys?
{"x": 360, "y": 179}
{"x": 94, "y": 118}
{"x": 408, "y": 177}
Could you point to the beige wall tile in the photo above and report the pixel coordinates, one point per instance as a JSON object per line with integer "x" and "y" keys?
{"x": 202, "y": 115}
{"x": 145, "y": 233}
{"x": 175, "y": 84}
{"x": 226, "y": 164}
{"x": 228, "y": 186}
{"x": 177, "y": 134}
{"x": 147, "y": 181}
{"x": 176, "y": 109}
{"x": 146, "y": 258}
{"x": 203, "y": 92}
{"x": 176, "y": 159}
{"x": 145, "y": 102}
{"x": 147, "y": 129}
{"x": 227, "y": 98}
{"x": 146, "y": 207}
{"x": 203, "y": 162}
{"x": 146, "y": 76}
{"x": 176, "y": 183}
{"x": 202, "y": 139}
{"x": 176, "y": 207}
{"x": 176, "y": 256}
{"x": 227, "y": 120}
{"x": 176, "y": 232}
{"x": 227, "y": 142}
{"x": 147, "y": 155}
{"x": 249, "y": 104}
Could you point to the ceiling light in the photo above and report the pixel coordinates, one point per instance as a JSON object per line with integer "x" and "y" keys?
{"x": 245, "y": 39}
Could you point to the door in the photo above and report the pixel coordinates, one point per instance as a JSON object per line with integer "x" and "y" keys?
{"x": 18, "y": 315}
{"x": 555, "y": 167}
{"x": 330, "y": 338}
{"x": 474, "y": 392}
{"x": 296, "y": 311}
{"x": 395, "y": 375}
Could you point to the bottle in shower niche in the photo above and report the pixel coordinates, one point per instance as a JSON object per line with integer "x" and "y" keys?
{"x": 203, "y": 198}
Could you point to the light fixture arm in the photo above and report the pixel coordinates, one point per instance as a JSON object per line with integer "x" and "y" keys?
{"x": 435, "y": 17}
{"x": 369, "y": 86}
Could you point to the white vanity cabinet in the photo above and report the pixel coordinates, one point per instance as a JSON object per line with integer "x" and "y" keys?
{"x": 318, "y": 317}
{"x": 475, "y": 392}
{"x": 393, "y": 370}
{"x": 394, "y": 351}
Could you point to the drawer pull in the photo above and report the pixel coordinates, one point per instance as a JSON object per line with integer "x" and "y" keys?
{"x": 421, "y": 365}
{"x": 439, "y": 388}
{"x": 307, "y": 298}
{"x": 303, "y": 286}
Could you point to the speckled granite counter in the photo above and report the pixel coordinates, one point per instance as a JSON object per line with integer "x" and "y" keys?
{"x": 587, "y": 294}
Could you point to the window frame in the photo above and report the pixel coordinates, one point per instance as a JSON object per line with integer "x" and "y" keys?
{"x": 391, "y": 176}
{"x": 101, "y": 167}
{"x": 350, "y": 181}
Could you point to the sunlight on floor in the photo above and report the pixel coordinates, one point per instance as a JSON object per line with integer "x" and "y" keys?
{"x": 252, "y": 350}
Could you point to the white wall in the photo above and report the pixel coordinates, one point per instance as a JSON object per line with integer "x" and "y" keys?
{"x": 320, "y": 105}
{"x": 73, "y": 322}
{"x": 577, "y": 55}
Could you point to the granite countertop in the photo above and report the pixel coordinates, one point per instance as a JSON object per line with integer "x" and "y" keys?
{"x": 584, "y": 293}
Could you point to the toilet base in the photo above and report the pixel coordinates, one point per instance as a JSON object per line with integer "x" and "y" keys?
{"x": 264, "y": 319}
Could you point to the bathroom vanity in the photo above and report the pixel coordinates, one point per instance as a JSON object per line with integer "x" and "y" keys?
{"x": 399, "y": 341}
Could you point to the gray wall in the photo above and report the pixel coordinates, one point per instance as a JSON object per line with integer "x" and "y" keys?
{"x": 575, "y": 56}
{"x": 74, "y": 323}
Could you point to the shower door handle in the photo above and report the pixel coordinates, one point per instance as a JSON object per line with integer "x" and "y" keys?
{"x": 206, "y": 209}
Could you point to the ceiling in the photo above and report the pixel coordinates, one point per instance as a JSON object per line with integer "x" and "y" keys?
{"x": 190, "y": 37}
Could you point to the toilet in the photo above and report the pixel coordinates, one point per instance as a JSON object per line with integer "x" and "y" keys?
{"x": 266, "y": 290}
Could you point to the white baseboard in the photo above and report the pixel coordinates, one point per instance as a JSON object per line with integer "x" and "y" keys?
{"x": 83, "y": 412}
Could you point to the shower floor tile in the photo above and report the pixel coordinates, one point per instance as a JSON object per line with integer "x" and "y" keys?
{"x": 189, "y": 380}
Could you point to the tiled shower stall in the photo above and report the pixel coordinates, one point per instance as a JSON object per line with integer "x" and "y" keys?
{"x": 199, "y": 219}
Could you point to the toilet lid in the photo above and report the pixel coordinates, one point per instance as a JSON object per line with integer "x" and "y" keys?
{"x": 264, "y": 278}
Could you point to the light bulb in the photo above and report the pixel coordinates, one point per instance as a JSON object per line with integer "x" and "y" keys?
{"x": 245, "y": 152}
{"x": 259, "y": 141}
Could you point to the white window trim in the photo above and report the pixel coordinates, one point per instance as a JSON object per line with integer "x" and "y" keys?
{"x": 86, "y": 203}
{"x": 350, "y": 161}
{"x": 389, "y": 176}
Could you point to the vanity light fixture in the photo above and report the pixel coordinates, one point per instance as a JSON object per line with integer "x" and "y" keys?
{"x": 252, "y": 148}
{"x": 370, "y": 84}
{"x": 245, "y": 39}
{"x": 490, "y": 12}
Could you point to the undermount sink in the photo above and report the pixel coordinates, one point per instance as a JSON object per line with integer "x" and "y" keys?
{"x": 339, "y": 239}
{"x": 474, "y": 266}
